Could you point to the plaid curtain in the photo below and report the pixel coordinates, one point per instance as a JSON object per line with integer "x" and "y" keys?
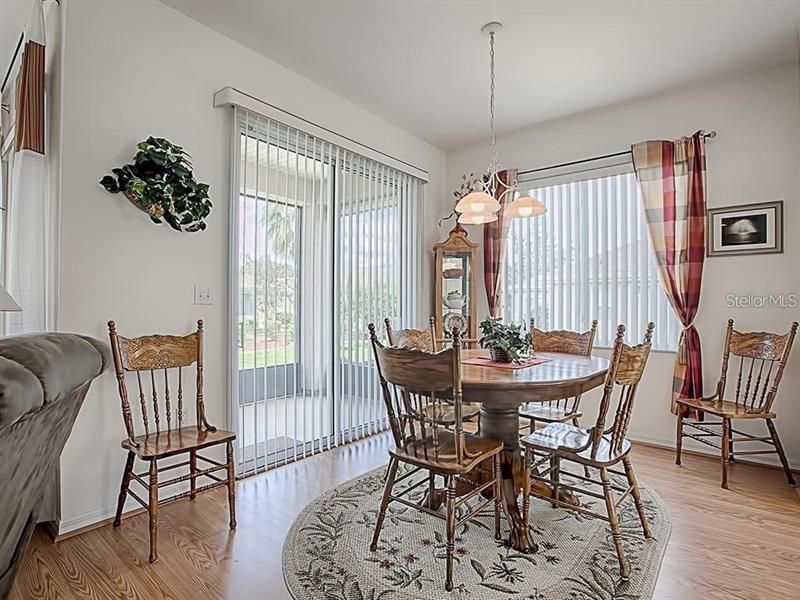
{"x": 494, "y": 237}
{"x": 672, "y": 179}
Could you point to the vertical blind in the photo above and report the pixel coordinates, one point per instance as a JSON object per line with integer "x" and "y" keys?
{"x": 326, "y": 241}
{"x": 587, "y": 258}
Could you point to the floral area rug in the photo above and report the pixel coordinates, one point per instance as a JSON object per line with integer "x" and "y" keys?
{"x": 326, "y": 555}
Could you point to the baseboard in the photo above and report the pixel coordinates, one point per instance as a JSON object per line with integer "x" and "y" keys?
{"x": 104, "y": 516}
{"x": 769, "y": 462}
{"x": 93, "y": 520}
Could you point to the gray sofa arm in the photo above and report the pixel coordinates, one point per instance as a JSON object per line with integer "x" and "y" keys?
{"x": 44, "y": 379}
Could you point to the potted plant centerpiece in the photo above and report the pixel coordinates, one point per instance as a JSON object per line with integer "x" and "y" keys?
{"x": 506, "y": 343}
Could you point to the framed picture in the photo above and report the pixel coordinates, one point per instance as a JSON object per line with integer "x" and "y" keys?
{"x": 745, "y": 229}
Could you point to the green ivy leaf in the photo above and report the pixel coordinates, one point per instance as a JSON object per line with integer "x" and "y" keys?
{"x": 161, "y": 173}
{"x": 110, "y": 184}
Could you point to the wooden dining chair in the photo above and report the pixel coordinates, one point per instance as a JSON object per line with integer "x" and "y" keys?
{"x": 425, "y": 340}
{"x": 412, "y": 380}
{"x": 762, "y": 358}
{"x": 153, "y": 358}
{"x": 418, "y": 339}
{"x": 564, "y": 410}
{"x": 600, "y": 447}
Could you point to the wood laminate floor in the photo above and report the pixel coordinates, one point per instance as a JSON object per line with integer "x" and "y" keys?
{"x": 742, "y": 543}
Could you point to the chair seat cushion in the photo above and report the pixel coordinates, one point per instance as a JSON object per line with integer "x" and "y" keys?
{"x": 176, "y": 441}
{"x": 445, "y": 414}
{"x": 565, "y": 437}
{"x": 723, "y": 408}
{"x": 421, "y": 452}
{"x": 548, "y": 414}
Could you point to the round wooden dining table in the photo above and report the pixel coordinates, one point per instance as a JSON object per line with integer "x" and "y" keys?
{"x": 501, "y": 391}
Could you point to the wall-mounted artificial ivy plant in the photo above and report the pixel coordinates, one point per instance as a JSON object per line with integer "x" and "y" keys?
{"x": 160, "y": 182}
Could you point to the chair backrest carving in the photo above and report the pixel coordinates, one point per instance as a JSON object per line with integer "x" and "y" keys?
{"x": 570, "y": 342}
{"x": 762, "y": 358}
{"x": 417, "y": 339}
{"x": 154, "y": 358}
{"x": 416, "y": 385}
{"x": 625, "y": 370}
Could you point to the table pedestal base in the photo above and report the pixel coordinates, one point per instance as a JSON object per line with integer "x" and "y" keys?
{"x": 513, "y": 474}
{"x": 502, "y": 423}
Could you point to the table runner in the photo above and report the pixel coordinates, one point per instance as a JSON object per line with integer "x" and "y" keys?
{"x": 483, "y": 361}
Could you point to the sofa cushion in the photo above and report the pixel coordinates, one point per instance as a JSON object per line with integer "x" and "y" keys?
{"x": 39, "y": 368}
{"x": 20, "y": 391}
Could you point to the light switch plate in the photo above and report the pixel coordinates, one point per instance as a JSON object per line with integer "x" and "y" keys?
{"x": 203, "y": 295}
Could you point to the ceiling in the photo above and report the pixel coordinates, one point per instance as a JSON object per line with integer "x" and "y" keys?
{"x": 423, "y": 65}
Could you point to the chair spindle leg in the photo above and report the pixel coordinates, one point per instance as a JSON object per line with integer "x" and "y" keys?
{"x": 387, "y": 491}
{"x": 613, "y": 519}
{"x": 726, "y": 436}
{"x": 451, "y": 530}
{"x": 231, "y": 484}
{"x": 123, "y": 489}
{"x": 498, "y": 505}
{"x": 637, "y": 497}
{"x": 152, "y": 510}
{"x": 193, "y": 475}
{"x": 679, "y": 439}
{"x": 555, "y": 478}
{"x": 781, "y": 453}
{"x": 528, "y": 458}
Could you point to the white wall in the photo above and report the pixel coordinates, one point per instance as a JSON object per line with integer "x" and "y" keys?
{"x": 135, "y": 68}
{"x": 756, "y": 157}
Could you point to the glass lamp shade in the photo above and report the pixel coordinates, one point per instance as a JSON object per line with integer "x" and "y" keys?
{"x": 524, "y": 207}
{"x": 477, "y": 203}
{"x": 477, "y": 218}
{"x": 7, "y": 303}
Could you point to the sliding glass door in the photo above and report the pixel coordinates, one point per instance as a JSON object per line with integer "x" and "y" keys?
{"x": 324, "y": 241}
{"x": 377, "y": 253}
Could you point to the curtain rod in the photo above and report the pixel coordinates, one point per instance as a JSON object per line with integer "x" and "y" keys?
{"x": 14, "y": 57}
{"x": 710, "y": 135}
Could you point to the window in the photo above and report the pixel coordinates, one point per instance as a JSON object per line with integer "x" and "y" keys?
{"x": 6, "y": 154}
{"x": 6, "y": 169}
{"x": 267, "y": 312}
{"x": 587, "y": 258}
{"x": 318, "y": 254}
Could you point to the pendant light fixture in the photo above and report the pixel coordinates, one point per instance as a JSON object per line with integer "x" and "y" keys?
{"x": 483, "y": 204}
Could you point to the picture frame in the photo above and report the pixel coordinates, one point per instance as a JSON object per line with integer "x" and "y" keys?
{"x": 745, "y": 229}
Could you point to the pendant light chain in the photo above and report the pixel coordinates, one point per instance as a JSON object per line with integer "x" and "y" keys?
{"x": 491, "y": 103}
{"x": 485, "y": 200}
